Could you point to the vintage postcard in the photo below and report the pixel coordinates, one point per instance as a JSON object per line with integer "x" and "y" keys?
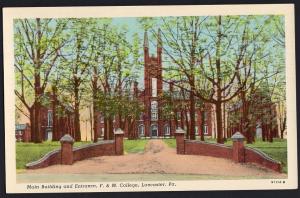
{"x": 150, "y": 98}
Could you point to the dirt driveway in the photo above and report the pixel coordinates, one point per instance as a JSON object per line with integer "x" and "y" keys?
{"x": 158, "y": 158}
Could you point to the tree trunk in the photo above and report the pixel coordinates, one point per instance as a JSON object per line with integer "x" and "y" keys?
{"x": 77, "y": 114}
{"x": 77, "y": 123}
{"x": 132, "y": 135}
{"x": 219, "y": 123}
{"x": 31, "y": 116}
{"x": 282, "y": 127}
{"x": 202, "y": 124}
{"x": 37, "y": 108}
{"x": 218, "y": 103}
{"x": 282, "y": 121}
{"x": 245, "y": 121}
{"x": 187, "y": 124}
{"x": 37, "y": 87}
{"x": 176, "y": 120}
{"x": 37, "y": 122}
{"x": 192, "y": 115}
{"x": 224, "y": 121}
{"x": 110, "y": 129}
{"x": 271, "y": 130}
{"x": 181, "y": 120}
{"x": 95, "y": 117}
{"x": 105, "y": 129}
{"x": 263, "y": 132}
{"x": 54, "y": 118}
{"x": 91, "y": 122}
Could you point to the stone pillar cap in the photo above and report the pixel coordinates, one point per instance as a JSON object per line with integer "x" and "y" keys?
{"x": 118, "y": 131}
{"x": 237, "y": 137}
{"x": 67, "y": 138}
{"x": 179, "y": 130}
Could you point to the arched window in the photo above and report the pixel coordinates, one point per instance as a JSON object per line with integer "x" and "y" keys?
{"x": 154, "y": 105}
{"x": 141, "y": 116}
{"x": 196, "y": 130}
{"x": 154, "y": 110}
{"x": 141, "y": 130}
{"x": 154, "y": 130}
{"x": 205, "y": 129}
{"x": 49, "y": 118}
{"x": 154, "y": 87}
{"x": 167, "y": 129}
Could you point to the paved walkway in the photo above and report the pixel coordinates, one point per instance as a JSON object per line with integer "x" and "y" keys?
{"x": 157, "y": 159}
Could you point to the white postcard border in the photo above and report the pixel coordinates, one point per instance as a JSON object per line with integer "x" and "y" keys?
{"x": 137, "y": 11}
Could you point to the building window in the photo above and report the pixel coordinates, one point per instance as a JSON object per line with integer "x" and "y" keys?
{"x": 141, "y": 130}
{"x": 141, "y": 116}
{"x": 205, "y": 130}
{"x": 167, "y": 129}
{"x": 101, "y": 119}
{"x": 154, "y": 105}
{"x": 196, "y": 130}
{"x": 188, "y": 116}
{"x": 102, "y": 132}
{"x": 154, "y": 110}
{"x": 154, "y": 87}
{"x": 154, "y": 130}
{"x": 49, "y": 118}
{"x": 154, "y": 116}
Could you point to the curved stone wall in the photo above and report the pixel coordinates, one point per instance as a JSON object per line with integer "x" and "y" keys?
{"x": 258, "y": 157}
{"x": 51, "y": 158}
{"x": 238, "y": 152}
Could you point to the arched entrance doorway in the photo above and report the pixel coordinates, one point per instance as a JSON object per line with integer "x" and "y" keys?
{"x": 167, "y": 130}
{"x": 141, "y": 130}
{"x": 154, "y": 130}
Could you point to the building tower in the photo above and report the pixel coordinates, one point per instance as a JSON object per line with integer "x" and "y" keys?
{"x": 153, "y": 88}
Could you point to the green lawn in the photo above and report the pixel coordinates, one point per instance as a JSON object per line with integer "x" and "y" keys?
{"x": 170, "y": 142}
{"x": 135, "y": 146}
{"x": 276, "y": 150}
{"x": 28, "y": 152}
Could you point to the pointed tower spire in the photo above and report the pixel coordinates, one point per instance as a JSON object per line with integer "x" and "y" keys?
{"x": 159, "y": 47}
{"x": 159, "y": 41}
{"x": 146, "y": 42}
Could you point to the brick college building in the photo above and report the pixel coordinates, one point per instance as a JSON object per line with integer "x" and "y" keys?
{"x": 151, "y": 123}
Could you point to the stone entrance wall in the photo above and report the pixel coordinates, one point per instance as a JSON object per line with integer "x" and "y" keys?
{"x": 237, "y": 152}
{"x": 67, "y": 155}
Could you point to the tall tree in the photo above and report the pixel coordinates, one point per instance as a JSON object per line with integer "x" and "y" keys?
{"x": 114, "y": 70}
{"x": 77, "y": 56}
{"x": 37, "y": 42}
{"x": 100, "y": 32}
{"x": 209, "y": 52}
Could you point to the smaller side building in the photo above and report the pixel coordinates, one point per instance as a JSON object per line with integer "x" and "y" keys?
{"x": 22, "y": 132}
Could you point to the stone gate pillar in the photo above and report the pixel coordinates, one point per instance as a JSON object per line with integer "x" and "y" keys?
{"x": 238, "y": 148}
{"x": 67, "y": 149}
{"x": 179, "y": 134}
{"x": 119, "y": 136}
